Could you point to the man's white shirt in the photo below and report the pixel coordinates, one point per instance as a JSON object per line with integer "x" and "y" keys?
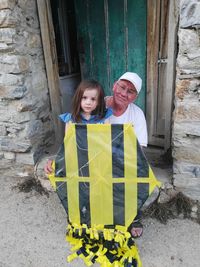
{"x": 134, "y": 115}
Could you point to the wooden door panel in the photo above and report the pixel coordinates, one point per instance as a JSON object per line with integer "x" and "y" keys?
{"x": 83, "y": 37}
{"x": 116, "y": 40}
{"x": 112, "y": 40}
{"x": 153, "y": 28}
{"x": 97, "y": 32}
{"x": 157, "y": 58}
{"x": 136, "y": 41}
{"x": 162, "y": 68}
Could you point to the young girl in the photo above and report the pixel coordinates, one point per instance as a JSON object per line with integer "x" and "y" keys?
{"x": 88, "y": 105}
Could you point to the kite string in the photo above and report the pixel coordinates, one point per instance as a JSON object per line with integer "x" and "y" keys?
{"x": 88, "y": 162}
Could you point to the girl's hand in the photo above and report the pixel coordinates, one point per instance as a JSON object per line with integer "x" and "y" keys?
{"x": 48, "y": 167}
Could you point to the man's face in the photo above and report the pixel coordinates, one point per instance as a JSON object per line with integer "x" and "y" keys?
{"x": 124, "y": 93}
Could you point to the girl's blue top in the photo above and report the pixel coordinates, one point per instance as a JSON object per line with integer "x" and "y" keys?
{"x": 67, "y": 117}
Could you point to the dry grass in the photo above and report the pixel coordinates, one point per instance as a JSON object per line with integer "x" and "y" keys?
{"x": 31, "y": 184}
{"x": 179, "y": 204}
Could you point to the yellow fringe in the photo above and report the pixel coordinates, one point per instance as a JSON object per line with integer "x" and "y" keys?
{"x": 90, "y": 247}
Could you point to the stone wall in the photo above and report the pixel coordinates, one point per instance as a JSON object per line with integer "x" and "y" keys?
{"x": 186, "y": 128}
{"x": 25, "y": 124}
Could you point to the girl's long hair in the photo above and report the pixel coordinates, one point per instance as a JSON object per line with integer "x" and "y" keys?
{"x": 76, "y": 104}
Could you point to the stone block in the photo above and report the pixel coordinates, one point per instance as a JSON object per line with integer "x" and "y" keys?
{"x": 9, "y": 155}
{"x": 27, "y": 104}
{"x": 34, "y": 40}
{"x": 188, "y": 169}
{"x": 21, "y": 117}
{"x": 34, "y": 129}
{"x": 23, "y": 3}
{"x": 39, "y": 81}
{"x": 187, "y": 89}
{"x": 10, "y": 79}
{"x": 187, "y": 111}
{"x": 182, "y": 89}
{"x": 189, "y": 51}
{"x": 14, "y": 145}
{"x": 183, "y": 181}
{"x": 192, "y": 192}
{"x": 25, "y": 158}
{"x": 189, "y": 13}
{"x": 6, "y": 166}
{"x": 188, "y": 40}
{"x": 13, "y": 64}
{"x": 188, "y": 154}
{"x": 195, "y": 208}
{"x": 189, "y": 64}
{"x": 7, "y": 19}
{"x": 187, "y": 128}
{"x": 7, "y": 35}
{"x": 15, "y": 128}
{"x": 7, "y": 4}
{"x": 12, "y": 92}
{"x": 3, "y": 131}
{"x": 6, "y": 48}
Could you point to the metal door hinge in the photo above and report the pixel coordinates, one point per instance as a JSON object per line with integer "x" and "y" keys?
{"x": 162, "y": 60}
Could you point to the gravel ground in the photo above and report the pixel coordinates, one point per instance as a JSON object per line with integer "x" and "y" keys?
{"x": 32, "y": 234}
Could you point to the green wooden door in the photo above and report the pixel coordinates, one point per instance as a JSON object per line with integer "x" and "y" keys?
{"x": 112, "y": 40}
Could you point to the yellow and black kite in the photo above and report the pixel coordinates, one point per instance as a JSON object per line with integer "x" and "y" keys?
{"x": 102, "y": 179}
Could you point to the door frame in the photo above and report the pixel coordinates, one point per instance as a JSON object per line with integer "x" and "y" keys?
{"x": 51, "y": 64}
{"x": 153, "y": 14}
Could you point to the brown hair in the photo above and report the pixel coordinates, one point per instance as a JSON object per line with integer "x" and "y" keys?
{"x": 76, "y": 105}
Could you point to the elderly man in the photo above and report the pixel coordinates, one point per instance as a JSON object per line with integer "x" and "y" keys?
{"x": 125, "y": 91}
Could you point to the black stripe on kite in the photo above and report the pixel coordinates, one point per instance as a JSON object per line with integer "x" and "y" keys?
{"x": 84, "y": 202}
{"x": 60, "y": 170}
{"x": 143, "y": 194}
{"x": 142, "y": 163}
{"x": 61, "y": 188}
{"x": 82, "y": 150}
{"x": 118, "y": 204}
{"x": 117, "y": 134}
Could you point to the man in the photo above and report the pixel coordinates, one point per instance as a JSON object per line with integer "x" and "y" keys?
{"x": 125, "y": 91}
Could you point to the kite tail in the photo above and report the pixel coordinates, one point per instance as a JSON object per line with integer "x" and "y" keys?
{"x": 108, "y": 247}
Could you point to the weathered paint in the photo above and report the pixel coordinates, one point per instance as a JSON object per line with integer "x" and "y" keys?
{"x": 112, "y": 40}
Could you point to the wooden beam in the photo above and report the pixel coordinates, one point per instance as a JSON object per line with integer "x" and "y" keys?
{"x": 153, "y": 22}
{"x": 170, "y": 80}
{"x": 50, "y": 55}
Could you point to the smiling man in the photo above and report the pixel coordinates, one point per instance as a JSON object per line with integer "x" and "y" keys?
{"x": 125, "y": 92}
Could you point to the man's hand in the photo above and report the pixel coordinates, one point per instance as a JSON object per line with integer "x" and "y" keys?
{"x": 48, "y": 167}
{"x": 109, "y": 101}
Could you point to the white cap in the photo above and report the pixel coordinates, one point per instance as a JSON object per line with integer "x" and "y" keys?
{"x": 134, "y": 79}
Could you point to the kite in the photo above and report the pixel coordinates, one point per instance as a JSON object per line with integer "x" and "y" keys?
{"x": 102, "y": 179}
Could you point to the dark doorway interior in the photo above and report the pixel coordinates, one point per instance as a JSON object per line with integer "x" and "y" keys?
{"x": 63, "y": 14}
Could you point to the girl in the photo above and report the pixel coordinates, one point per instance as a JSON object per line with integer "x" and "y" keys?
{"x": 88, "y": 104}
{"x": 88, "y": 107}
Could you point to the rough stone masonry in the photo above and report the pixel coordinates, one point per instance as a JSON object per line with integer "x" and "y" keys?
{"x": 186, "y": 117}
{"x": 25, "y": 124}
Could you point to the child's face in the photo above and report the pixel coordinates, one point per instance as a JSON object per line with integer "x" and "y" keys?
{"x": 89, "y": 101}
